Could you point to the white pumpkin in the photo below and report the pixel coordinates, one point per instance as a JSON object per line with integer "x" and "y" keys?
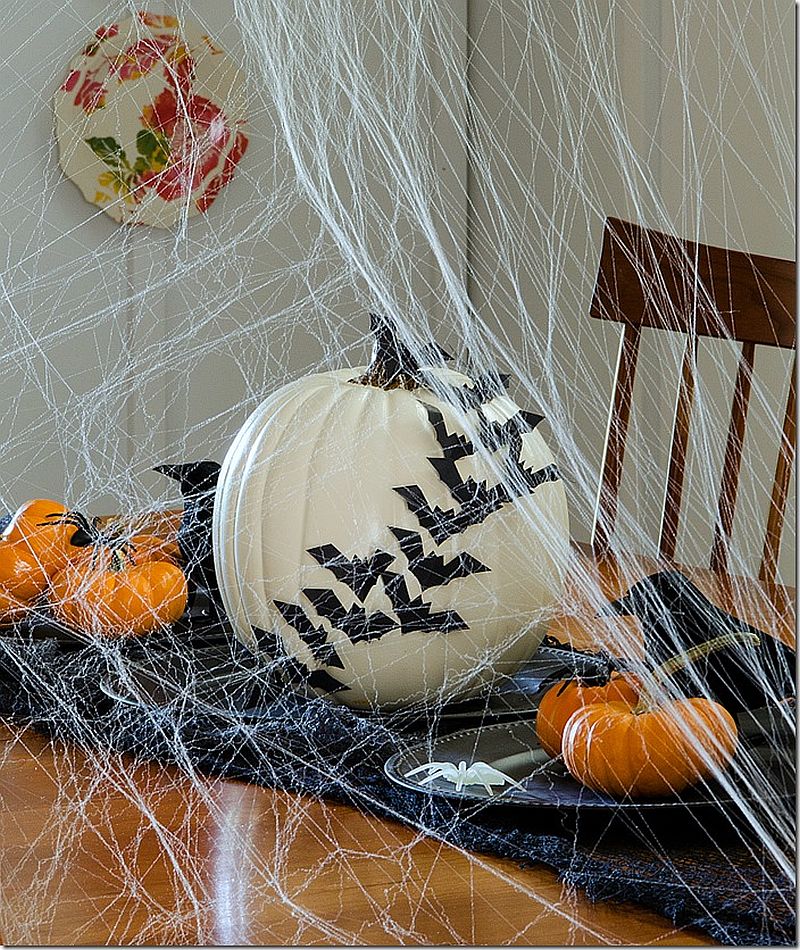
{"x": 364, "y": 528}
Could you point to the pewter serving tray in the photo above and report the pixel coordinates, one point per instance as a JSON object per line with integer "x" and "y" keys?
{"x": 512, "y": 748}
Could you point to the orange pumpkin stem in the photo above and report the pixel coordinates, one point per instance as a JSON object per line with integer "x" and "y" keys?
{"x": 681, "y": 660}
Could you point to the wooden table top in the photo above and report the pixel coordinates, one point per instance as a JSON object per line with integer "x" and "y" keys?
{"x": 98, "y": 850}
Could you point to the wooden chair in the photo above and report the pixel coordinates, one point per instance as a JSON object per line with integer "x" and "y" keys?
{"x": 650, "y": 279}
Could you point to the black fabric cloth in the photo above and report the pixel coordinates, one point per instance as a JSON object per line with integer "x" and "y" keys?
{"x": 696, "y": 870}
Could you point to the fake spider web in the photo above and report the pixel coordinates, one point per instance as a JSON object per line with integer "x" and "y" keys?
{"x": 450, "y": 166}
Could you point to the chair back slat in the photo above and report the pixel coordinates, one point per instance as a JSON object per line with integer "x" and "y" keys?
{"x": 726, "y": 503}
{"x": 650, "y": 279}
{"x": 677, "y": 457}
{"x": 606, "y": 511}
{"x": 780, "y": 487}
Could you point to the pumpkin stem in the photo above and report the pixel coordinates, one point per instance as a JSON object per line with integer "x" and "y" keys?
{"x": 681, "y": 660}
{"x": 393, "y": 365}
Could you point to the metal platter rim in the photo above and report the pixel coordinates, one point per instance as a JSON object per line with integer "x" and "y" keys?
{"x": 506, "y": 797}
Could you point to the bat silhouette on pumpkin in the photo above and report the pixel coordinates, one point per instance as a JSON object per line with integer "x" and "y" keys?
{"x": 294, "y": 667}
{"x": 358, "y": 625}
{"x": 360, "y": 574}
{"x": 354, "y": 621}
{"x": 198, "y": 482}
{"x": 495, "y": 435}
{"x": 414, "y": 613}
{"x": 676, "y": 616}
{"x": 478, "y": 501}
{"x": 315, "y": 638}
{"x": 454, "y": 445}
{"x": 431, "y": 570}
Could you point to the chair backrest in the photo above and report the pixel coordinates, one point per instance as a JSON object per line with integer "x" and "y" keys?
{"x": 650, "y": 279}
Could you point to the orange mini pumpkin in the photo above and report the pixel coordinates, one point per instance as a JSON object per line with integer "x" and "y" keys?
{"x": 117, "y": 586}
{"x": 31, "y": 552}
{"x": 11, "y": 609}
{"x": 105, "y": 591}
{"x": 39, "y": 527}
{"x": 620, "y": 749}
{"x": 567, "y": 696}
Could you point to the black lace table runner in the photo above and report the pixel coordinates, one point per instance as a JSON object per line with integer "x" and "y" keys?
{"x": 695, "y": 868}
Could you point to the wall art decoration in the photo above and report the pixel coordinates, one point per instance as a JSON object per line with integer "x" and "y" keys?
{"x": 400, "y": 557}
{"x": 149, "y": 120}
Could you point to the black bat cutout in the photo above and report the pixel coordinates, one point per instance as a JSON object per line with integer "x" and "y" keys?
{"x": 414, "y": 614}
{"x": 359, "y": 574}
{"x": 496, "y": 435}
{"x": 355, "y": 622}
{"x": 462, "y": 491}
{"x": 454, "y": 445}
{"x": 442, "y": 524}
{"x": 315, "y": 638}
{"x": 525, "y": 481}
{"x": 478, "y": 500}
{"x": 493, "y": 435}
{"x": 198, "y": 482}
{"x": 432, "y": 570}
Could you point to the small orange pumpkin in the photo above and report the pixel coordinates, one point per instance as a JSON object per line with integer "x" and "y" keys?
{"x": 619, "y": 749}
{"x": 644, "y": 748}
{"x": 38, "y": 526}
{"x": 11, "y": 609}
{"x": 567, "y": 696}
{"x": 31, "y": 551}
{"x": 21, "y": 575}
{"x": 106, "y": 591}
{"x": 117, "y": 586}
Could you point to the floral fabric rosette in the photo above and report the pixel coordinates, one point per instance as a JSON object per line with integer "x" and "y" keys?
{"x": 149, "y": 120}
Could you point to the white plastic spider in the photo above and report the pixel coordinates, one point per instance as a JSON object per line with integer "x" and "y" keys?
{"x": 479, "y": 773}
